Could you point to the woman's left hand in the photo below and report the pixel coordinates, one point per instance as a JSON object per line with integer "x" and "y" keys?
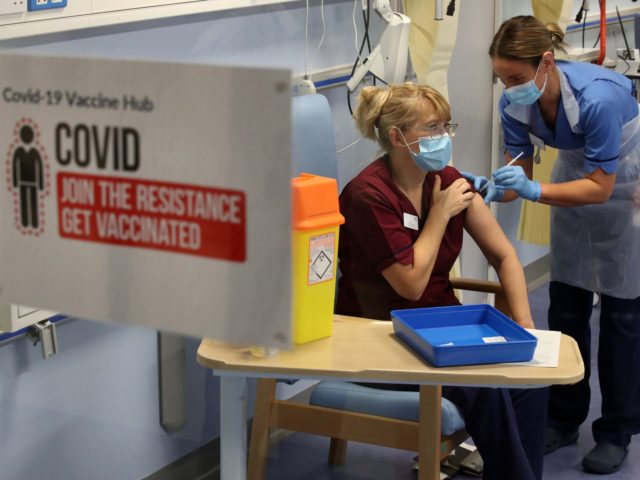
{"x": 454, "y": 199}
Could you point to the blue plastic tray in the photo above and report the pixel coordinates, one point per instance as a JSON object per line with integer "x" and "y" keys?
{"x": 463, "y": 335}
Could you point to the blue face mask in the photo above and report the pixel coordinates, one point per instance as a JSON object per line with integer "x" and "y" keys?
{"x": 527, "y": 93}
{"x": 434, "y": 153}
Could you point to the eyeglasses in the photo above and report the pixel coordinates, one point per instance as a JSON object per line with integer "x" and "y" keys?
{"x": 436, "y": 131}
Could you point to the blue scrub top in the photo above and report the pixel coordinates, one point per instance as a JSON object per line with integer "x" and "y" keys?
{"x": 606, "y": 101}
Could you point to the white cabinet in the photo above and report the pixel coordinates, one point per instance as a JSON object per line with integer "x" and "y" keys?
{"x": 15, "y": 317}
{"x": 82, "y": 14}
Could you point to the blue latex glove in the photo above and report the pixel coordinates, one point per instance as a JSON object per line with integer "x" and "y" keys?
{"x": 514, "y": 178}
{"x": 490, "y": 193}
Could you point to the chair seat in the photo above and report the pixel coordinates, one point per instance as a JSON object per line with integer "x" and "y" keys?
{"x": 401, "y": 405}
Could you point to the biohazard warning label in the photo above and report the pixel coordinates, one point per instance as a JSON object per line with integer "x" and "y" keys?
{"x": 175, "y": 217}
{"x": 321, "y": 257}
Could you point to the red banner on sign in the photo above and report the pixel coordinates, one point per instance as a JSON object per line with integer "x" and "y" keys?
{"x": 205, "y": 221}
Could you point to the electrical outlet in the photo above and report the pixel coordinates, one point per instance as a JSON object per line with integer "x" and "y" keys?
{"x": 630, "y": 54}
{"x": 12, "y": 6}
{"x": 46, "y": 4}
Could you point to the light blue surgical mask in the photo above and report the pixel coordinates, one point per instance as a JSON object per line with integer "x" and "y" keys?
{"x": 526, "y": 93}
{"x": 434, "y": 154}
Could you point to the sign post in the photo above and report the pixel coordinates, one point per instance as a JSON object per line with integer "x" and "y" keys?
{"x": 148, "y": 193}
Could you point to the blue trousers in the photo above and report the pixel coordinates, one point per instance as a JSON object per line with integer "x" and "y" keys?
{"x": 618, "y": 364}
{"x": 507, "y": 426}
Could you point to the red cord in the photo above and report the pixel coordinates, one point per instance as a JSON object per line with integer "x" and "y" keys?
{"x": 603, "y": 32}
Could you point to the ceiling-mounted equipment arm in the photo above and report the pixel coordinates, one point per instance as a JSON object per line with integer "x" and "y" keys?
{"x": 381, "y": 7}
{"x": 388, "y": 60}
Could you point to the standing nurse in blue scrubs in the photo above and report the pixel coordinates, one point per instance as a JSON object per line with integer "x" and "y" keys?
{"x": 590, "y": 114}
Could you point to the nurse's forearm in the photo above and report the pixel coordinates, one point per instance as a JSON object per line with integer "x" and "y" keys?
{"x": 574, "y": 193}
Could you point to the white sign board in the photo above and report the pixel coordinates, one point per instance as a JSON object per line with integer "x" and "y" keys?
{"x": 148, "y": 193}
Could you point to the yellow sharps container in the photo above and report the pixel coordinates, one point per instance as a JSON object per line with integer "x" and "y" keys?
{"x": 315, "y": 222}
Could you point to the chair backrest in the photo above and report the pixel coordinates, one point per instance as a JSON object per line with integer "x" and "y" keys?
{"x": 313, "y": 142}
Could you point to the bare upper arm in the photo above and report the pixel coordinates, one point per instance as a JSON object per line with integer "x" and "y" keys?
{"x": 485, "y": 230}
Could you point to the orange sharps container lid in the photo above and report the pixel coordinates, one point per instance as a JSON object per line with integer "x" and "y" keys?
{"x": 314, "y": 202}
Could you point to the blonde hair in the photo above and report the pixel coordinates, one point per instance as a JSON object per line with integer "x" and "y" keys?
{"x": 401, "y": 106}
{"x": 526, "y": 38}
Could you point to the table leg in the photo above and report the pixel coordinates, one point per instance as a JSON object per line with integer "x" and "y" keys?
{"x": 233, "y": 428}
{"x": 429, "y": 438}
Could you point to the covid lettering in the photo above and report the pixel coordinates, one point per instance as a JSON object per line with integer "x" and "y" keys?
{"x": 105, "y": 148}
{"x": 31, "y": 96}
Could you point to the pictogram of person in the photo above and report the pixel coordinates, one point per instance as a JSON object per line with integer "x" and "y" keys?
{"x": 28, "y": 178}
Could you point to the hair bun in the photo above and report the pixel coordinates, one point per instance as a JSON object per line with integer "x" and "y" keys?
{"x": 556, "y": 33}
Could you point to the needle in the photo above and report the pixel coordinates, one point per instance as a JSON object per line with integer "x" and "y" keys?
{"x": 507, "y": 165}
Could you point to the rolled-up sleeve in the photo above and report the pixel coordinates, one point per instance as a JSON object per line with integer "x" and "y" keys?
{"x": 602, "y": 123}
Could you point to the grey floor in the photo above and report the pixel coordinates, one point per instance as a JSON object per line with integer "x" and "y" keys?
{"x": 301, "y": 456}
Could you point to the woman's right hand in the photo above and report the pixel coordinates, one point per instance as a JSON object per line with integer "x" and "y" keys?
{"x": 453, "y": 200}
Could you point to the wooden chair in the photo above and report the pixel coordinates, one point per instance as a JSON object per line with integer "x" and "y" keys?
{"x": 344, "y": 425}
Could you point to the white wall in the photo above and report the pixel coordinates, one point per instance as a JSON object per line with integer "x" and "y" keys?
{"x": 511, "y": 8}
{"x": 91, "y": 411}
{"x": 470, "y": 85}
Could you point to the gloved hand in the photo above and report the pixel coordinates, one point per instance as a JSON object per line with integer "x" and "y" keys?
{"x": 514, "y": 178}
{"x": 490, "y": 193}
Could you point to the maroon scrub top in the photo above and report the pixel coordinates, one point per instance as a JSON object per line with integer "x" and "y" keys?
{"x": 374, "y": 237}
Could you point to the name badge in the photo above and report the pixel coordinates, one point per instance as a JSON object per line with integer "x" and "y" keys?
{"x": 537, "y": 142}
{"x": 410, "y": 221}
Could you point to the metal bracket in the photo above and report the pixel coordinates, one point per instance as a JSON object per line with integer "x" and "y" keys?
{"x": 45, "y": 333}
{"x": 172, "y": 381}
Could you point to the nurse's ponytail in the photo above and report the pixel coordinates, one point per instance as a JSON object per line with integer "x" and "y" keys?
{"x": 557, "y": 36}
{"x": 370, "y": 103}
{"x": 526, "y": 38}
{"x": 396, "y": 106}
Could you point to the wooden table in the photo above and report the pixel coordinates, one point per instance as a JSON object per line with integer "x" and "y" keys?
{"x": 359, "y": 350}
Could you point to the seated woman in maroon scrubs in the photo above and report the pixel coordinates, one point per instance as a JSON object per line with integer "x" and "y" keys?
{"x": 405, "y": 214}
